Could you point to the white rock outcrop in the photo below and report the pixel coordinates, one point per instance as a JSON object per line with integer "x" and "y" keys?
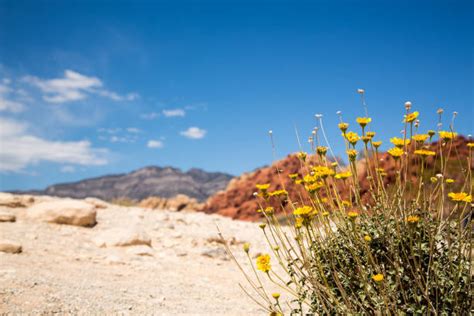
{"x": 122, "y": 237}
{"x": 6, "y": 216}
{"x": 13, "y": 201}
{"x": 67, "y": 211}
{"x": 10, "y": 246}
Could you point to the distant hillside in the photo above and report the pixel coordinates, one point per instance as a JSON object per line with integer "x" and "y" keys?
{"x": 149, "y": 181}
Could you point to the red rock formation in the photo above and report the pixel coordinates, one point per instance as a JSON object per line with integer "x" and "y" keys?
{"x": 238, "y": 202}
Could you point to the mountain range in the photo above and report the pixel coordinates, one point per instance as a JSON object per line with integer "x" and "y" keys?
{"x": 149, "y": 181}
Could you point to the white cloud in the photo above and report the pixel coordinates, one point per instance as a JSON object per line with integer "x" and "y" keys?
{"x": 11, "y": 106}
{"x": 68, "y": 169}
{"x": 194, "y": 133}
{"x": 73, "y": 87}
{"x": 133, "y": 130}
{"x": 6, "y": 104}
{"x": 150, "y": 116}
{"x": 155, "y": 144}
{"x": 117, "y": 97}
{"x": 123, "y": 139}
{"x": 109, "y": 130}
{"x": 174, "y": 113}
{"x": 18, "y": 149}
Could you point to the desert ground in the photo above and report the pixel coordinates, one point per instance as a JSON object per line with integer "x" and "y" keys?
{"x": 134, "y": 261}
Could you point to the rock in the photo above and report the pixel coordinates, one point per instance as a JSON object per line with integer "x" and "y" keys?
{"x": 176, "y": 203}
{"x": 67, "y": 211}
{"x": 114, "y": 259}
{"x": 215, "y": 253}
{"x": 153, "y": 202}
{"x": 6, "y": 216}
{"x": 10, "y": 246}
{"x": 141, "y": 251}
{"x": 98, "y": 203}
{"x": 122, "y": 237}
{"x": 13, "y": 201}
{"x": 183, "y": 202}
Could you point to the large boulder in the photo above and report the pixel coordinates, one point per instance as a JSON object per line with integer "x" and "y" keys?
{"x": 13, "y": 201}
{"x": 176, "y": 203}
{"x": 67, "y": 211}
{"x": 6, "y": 216}
{"x": 10, "y": 246}
{"x": 182, "y": 202}
{"x": 122, "y": 237}
{"x": 98, "y": 203}
{"x": 153, "y": 202}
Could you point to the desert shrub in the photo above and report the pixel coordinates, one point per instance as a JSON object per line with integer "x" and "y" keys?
{"x": 404, "y": 250}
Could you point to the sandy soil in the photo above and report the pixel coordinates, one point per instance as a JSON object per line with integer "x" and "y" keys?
{"x": 62, "y": 271}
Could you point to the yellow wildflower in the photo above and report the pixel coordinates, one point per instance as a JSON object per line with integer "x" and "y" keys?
{"x": 276, "y": 295}
{"x": 352, "y": 137}
{"x": 343, "y": 126}
{"x": 445, "y": 135}
{"x": 269, "y": 210}
{"x": 352, "y": 214}
{"x": 399, "y": 142}
{"x": 431, "y": 133}
{"x": 413, "y": 219}
{"x": 410, "y": 117}
{"x": 309, "y": 179}
{"x": 326, "y": 213}
{"x": 313, "y": 187}
{"x": 262, "y": 225}
{"x": 470, "y": 145}
{"x": 377, "y": 144}
{"x": 367, "y": 238}
{"x": 321, "y": 150}
{"x": 302, "y": 155}
{"x": 433, "y": 179}
{"x": 420, "y": 138}
{"x": 279, "y": 193}
{"x": 303, "y": 211}
{"x": 246, "y": 247}
{"x": 298, "y": 222}
{"x": 322, "y": 172}
{"x": 460, "y": 197}
{"x": 298, "y": 181}
{"x": 449, "y": 181}
{"x": 293, "y": 176}
{"x": 363, "y": 121}
{"x": 343, "y": 175}
{"x": 263, "y": 263}
{"x": 396, "y": 152}
{"x": 370, "y": 134}
{"x": 378, "y": 277}
{"x": 263, "y": 187}
{"x": 424, "y": 152}
{"x": 346, "y": 203}
{"x": 366, "y": 139}
{"x": 352, "y": 153}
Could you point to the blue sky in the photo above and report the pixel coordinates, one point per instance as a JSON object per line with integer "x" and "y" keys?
{"x": 95, "y": 87}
